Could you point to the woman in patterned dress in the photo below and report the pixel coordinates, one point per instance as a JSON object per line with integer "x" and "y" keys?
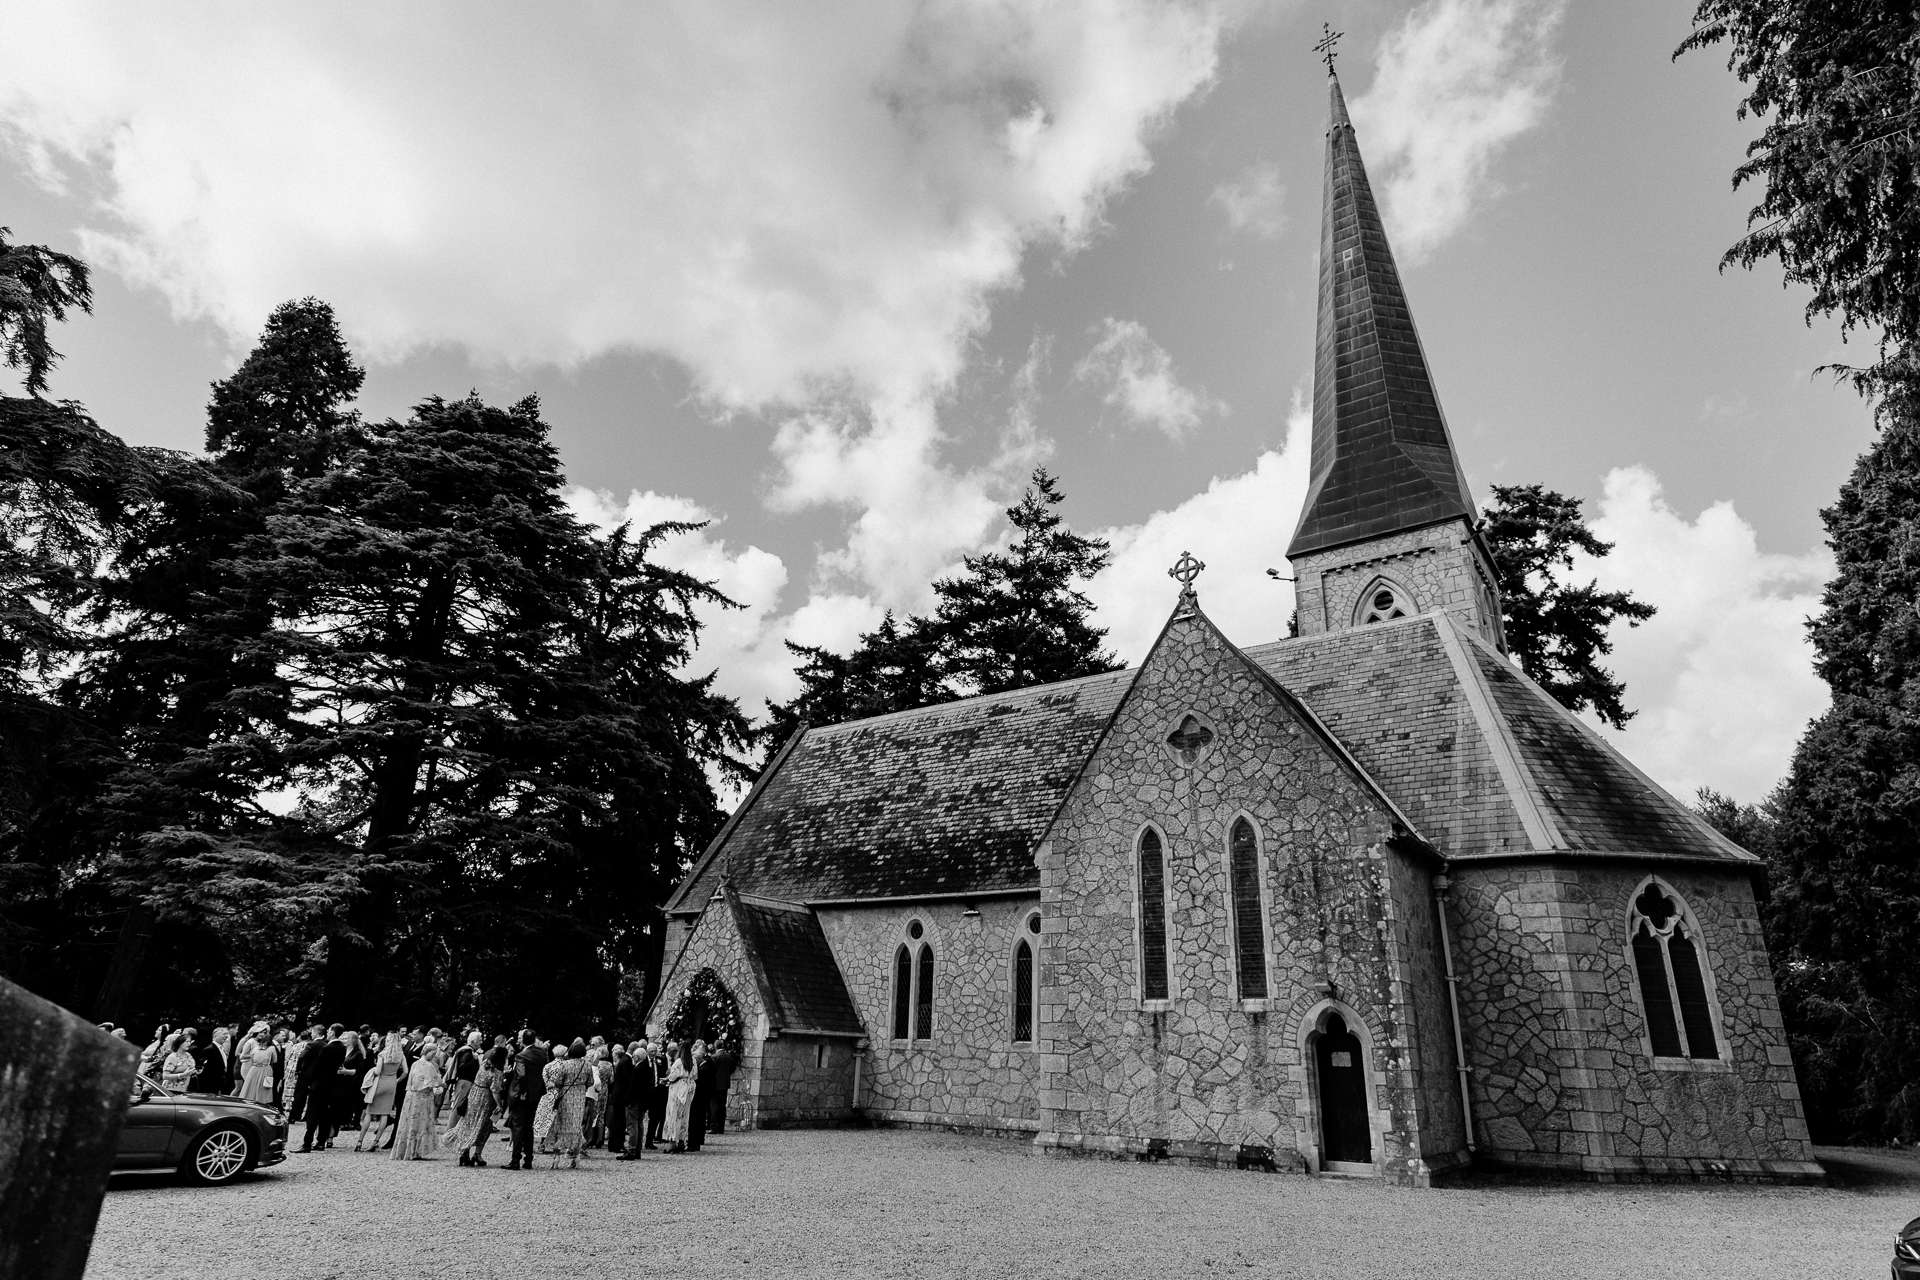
{"x": 680, "y": 1086}
{"x": 473, "y": 1114}
{"x": 568, "y": 1076}
{"x": 179, "y": 1065}
{"x": 414, "y": 1140}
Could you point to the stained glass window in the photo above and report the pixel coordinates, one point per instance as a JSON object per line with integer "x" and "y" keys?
{"x": 902, "y": 993}
{"x": 1153, "y": 918}
{"x": 1248, "y": 924}
{"x": 1022, "y": 992}
{"x": 923, "y": 995}
{"x": 1670, "y": 964}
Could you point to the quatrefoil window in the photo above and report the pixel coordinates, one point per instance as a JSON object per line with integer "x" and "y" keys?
{"x": 1190, "y": 738}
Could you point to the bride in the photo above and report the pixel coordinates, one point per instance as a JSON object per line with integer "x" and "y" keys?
{"x": 680, "y": 1085}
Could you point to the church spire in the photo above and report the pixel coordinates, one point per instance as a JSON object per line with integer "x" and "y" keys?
{"x": 1382, "y": 460}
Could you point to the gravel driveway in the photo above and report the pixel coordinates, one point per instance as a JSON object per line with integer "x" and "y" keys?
{"x": 890, "y": 1203}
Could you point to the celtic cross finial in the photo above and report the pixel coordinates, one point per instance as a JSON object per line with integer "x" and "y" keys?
{"x": 1325, "y": 46}
{"x": 1184, "y": 571}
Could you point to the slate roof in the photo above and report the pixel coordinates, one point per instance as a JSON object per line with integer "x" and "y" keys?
{"x": 953, "y": 799}
{"x": 944, "y": 800}
{"x": 1382, "y": 460}
{"x": 1480, "y": 758}
{"x": 799, "y": 982}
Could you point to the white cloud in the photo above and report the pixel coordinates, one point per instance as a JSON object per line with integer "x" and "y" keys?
{"x": 1239, "y": 527}
{"x": 1723, "y": 674}
{"x": 1454, "y": 84}
{"x": 778, "y": 195}
{"x": 1254, "y": 202}
{"x": 1138, "y": 377}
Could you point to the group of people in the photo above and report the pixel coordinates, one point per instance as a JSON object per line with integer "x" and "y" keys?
{"x": 409, "y": 1091}
{"x": 252, "y": 1066}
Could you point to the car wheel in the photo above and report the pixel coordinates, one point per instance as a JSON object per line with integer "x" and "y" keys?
{"x": 217, "y": 1156}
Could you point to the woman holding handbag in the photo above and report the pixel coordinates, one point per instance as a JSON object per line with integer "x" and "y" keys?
{"x": 381, "y": 1089}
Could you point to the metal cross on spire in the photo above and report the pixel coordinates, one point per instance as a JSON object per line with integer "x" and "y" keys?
{"x": 1325, "y": 46}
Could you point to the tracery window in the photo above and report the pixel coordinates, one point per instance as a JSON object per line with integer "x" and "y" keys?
{"x": 1153, "y": 917}
{"x": 1670, "y": 962}
{"x": 1383, "y": 603}
{"x": 923, "y": 994}
{"x": 902, "y": 994}
{"x": 1249, "y": 925}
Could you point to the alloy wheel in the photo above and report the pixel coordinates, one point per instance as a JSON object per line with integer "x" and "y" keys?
{"x": 221, "y": 1156}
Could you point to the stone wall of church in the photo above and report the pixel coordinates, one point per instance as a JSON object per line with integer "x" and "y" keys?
{"x": 970, "y": 1074}
{"x": 1437, "y": 566}
{"x": 1563, "y": 1075}
{"x": 1430, "y": 1054}
{"x": 804, "y": 1080}
{"x": 713, "y": 943}
{"x": 1206, "y": 1074}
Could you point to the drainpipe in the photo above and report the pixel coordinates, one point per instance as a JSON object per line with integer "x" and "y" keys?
{"x": 1442, "y": 883}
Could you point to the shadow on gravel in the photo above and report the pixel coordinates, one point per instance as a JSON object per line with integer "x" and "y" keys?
{"x": 1867, "y": 1168}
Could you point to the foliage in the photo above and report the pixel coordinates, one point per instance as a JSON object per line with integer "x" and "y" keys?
{"x": 1839, "y": 162}
{"x": 1557, "y": 630}
{"x": 1018, "y": 618}
{"x": 1012, "y": 619}
{"x": 36, "y": 285}
{"x": 1843, "y": 922}
{"x": 346, "y": 718}
{"x": 706, "y": 1006}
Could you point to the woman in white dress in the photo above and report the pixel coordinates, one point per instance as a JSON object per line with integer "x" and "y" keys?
{"x": 415, "y": 1138}
{"x": 384, "y": 1083}
{"x": 256, "y": 1065}
{"x": 680, "y": 1085}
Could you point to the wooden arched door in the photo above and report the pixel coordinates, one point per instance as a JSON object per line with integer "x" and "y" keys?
{"x": 1346, "y": 1139}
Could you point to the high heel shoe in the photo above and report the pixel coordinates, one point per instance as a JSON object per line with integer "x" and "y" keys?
{"x": 465, "y": 1163}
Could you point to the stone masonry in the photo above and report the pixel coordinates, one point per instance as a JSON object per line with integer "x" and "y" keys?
{"x": 1439, "y": 567}
{"x": 1205, "y": 1073}
{"x": 1563, "y": 1074}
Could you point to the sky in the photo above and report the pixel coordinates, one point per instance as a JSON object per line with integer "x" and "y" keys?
{"x": 837, "y": 278}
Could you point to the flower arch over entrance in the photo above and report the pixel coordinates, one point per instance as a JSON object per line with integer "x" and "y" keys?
{"x": 706, "y": 1010}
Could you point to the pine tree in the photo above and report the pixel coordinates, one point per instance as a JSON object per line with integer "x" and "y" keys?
{"x": 37, "y": 285}
{"x": 1557, "y": 631}
{"x": 894, "y": 667}
{"x": 1838, "y": 162}
{"x": 1019, "y": 617}
{"x": 1843, "y": 921}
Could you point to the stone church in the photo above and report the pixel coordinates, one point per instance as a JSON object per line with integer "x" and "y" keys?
{"x": 1363, "y": 901}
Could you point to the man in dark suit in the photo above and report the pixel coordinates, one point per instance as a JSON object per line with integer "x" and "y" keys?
{"x": 614, "y": 1105}
{"x": 303, "y": 1069}
{"x": 529, "y": 1082}
{"x": 702, "y": 1096}
{"x": 637, "y": 1099}
{"x": 657, "y": 1105}
{"x": 323, "y": 1087}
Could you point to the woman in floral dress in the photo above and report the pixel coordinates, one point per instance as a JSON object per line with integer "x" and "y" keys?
{"x": 474, "y": 1124}
{"x": 680, "y": 1086}
{"x": 178, "y": 1067}
{"x": 568, "y": 1076}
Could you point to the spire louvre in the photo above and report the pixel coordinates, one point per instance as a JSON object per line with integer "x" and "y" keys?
{"x": 1383, "y": 461}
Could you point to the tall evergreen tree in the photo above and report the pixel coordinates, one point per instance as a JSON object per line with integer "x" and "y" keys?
{"x": 1844, "y": 916}
{"x": 37, "y": 285}
{"x": 1019, "y": 617}
{"x": 894, "y": 667}
{"x": 1556, "y": 629}
{"x": 1012, "y": 619}
{"x": 1838, "y": 162}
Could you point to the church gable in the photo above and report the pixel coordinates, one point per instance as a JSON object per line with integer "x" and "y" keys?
{"x": 1219, "y": 883}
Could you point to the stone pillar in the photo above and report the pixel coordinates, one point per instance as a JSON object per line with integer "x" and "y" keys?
{"x": 64, "y": 1085}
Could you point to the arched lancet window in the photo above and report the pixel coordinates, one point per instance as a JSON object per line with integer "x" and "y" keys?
{"x": 1669, "y": 960}
{"x": 923, "y": 994}
{"x": 902, "y": 994}
{"x": 1249, "y": 925}
{"x": 1384, "y": 602}
{"x": 1022, "y": 992}
{"x": 1153, "y": 917}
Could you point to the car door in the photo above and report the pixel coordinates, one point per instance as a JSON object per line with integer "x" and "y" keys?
{"x": 147, "y": 1133}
